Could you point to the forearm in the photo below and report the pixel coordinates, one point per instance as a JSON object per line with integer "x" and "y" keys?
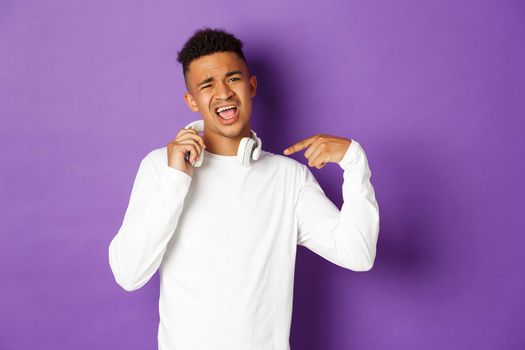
{"x": 358, "y": 229}
{"x": 136, "y": 252}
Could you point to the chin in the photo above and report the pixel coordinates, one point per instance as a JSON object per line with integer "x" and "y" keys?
{"x": 232, "y": 131}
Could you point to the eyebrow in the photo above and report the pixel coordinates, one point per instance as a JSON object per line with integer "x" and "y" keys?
{"x": 209, "y": 80}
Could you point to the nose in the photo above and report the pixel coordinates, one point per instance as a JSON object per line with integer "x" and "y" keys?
{"x": 223, "y": 91}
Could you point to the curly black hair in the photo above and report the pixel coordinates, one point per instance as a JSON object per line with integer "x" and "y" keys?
{"x": 206, "y": 41}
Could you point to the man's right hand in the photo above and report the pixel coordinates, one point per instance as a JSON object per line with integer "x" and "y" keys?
{"x": 187, "y": 140}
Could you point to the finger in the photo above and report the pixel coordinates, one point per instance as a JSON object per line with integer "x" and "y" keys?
{"x": 186, "y": 131}
{"x": 317, "y": 145}
{"x": 300, "y": 145}
{"x": 319, "y": 161}
{"x": 315, "y": 158}
{"x": 195, "y": 144}
{"x": 192, "y": 136}
{"x": 185, "y": 148}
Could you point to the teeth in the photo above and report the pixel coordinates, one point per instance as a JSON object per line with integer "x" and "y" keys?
{"x": 224, "y": 108}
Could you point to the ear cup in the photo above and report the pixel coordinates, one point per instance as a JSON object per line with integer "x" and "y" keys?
{"x": 257, "y": 151}
{"x": 198, "y": 126}
{"x": 244, "y": 152}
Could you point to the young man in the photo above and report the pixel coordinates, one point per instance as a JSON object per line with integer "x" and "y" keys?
{"x": 224, "y": 235}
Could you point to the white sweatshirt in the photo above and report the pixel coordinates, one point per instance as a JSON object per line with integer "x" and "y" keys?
{"x": 225, "y": 241}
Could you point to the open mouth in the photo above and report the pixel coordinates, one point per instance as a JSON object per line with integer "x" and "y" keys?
{"x": 226, "y": 112}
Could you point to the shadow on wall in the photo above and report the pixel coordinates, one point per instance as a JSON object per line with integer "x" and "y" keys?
{"x": 324, "y": 316}
{"x": 411, "y": 212}
{"x": 269, "y": 109}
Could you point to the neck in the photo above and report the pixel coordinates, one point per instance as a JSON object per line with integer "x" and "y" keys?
{"x": 225, "y": 146}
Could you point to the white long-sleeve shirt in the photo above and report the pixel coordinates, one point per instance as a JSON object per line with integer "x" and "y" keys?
{"x": 225, "y": 239}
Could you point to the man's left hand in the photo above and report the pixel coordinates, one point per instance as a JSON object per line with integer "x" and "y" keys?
{"x": 322, "y": 149}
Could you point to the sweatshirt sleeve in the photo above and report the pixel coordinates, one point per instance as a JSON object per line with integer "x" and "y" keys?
{"x": 346, "y": 237}
{"x": 155, "y": 204}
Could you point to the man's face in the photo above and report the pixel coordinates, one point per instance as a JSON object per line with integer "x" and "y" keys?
{"x": 220, "y": 80}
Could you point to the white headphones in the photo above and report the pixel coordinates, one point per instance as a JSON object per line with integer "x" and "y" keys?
{"x": 249, "y": 148}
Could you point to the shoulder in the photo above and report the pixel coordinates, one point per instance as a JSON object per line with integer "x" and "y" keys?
{"x": 155, "y": 159}
{"x": 282, "y": 161}
{"x": 157, "y": 155}
{"x": 295, "y": 174}
{"x": 293, "y": 171}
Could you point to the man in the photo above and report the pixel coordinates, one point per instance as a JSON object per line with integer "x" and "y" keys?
{"x": 224, "y": 235}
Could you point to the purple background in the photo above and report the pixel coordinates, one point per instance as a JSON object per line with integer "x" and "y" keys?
{"x": 433, "y": 90}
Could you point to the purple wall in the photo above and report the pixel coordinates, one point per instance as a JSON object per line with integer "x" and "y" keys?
{"x": 433, "y": 90}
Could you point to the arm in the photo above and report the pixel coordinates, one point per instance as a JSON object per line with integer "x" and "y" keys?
{"x": 348, "y": 237}
{"x": 156, "y": 202}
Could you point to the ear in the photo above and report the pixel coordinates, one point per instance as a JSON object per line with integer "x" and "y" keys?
{"x": 190, "y": 101}
{"x": 253, "y": 85}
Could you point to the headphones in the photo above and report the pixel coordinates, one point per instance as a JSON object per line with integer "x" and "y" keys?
{"x": 249, "y": 148}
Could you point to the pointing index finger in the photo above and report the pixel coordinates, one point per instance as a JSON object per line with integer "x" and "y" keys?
{"x": 300, "y": 145}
